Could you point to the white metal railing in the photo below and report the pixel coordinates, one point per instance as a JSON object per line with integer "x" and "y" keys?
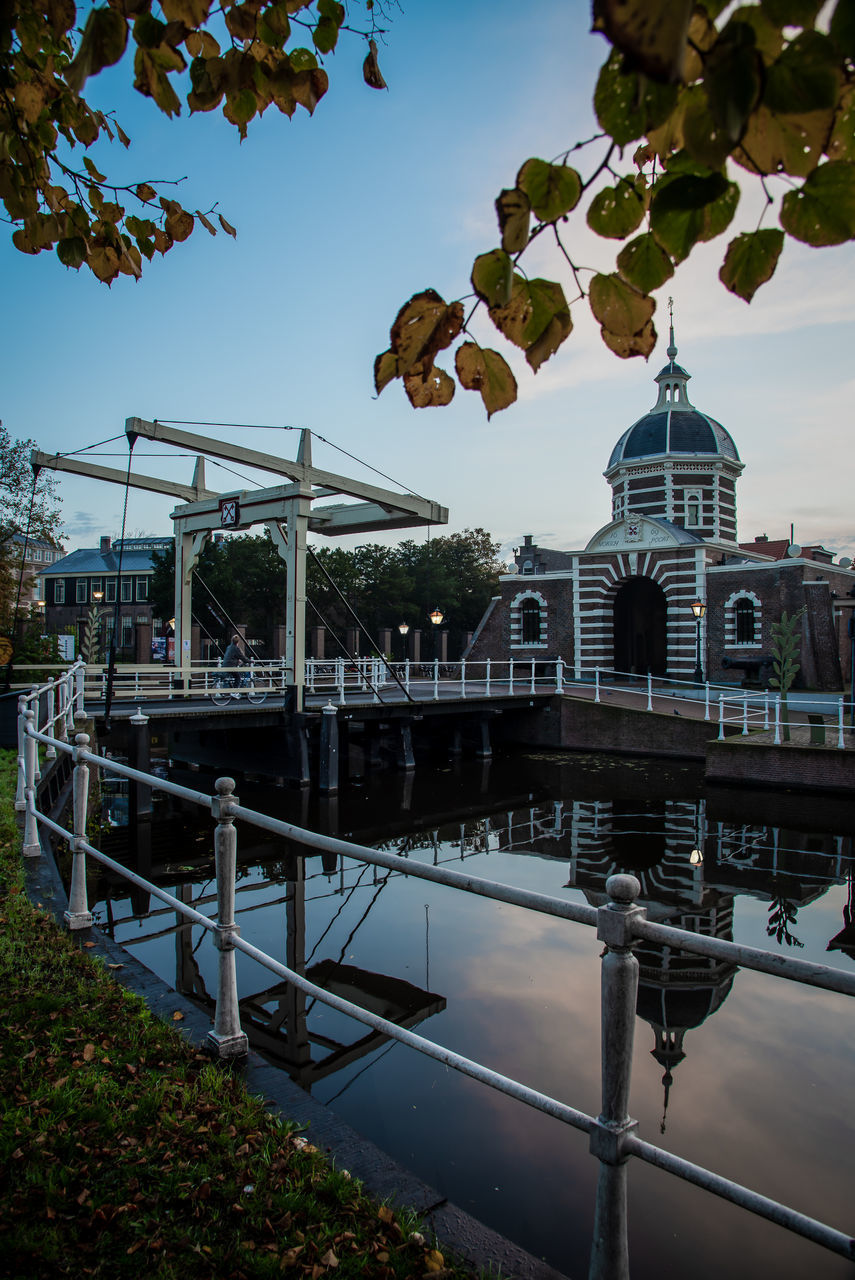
{"x": 374, "y": 680}
{"x": 620, "y": 925}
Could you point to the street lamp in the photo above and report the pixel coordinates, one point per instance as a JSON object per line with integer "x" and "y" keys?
{"x": 436, "y": 616}
{"x": 404, "y": 628}
{"x": 698, "y": 609}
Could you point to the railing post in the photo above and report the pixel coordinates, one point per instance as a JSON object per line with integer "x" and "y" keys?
{"x": 721, "y": 717}
{"x": 436, "y": 678}
{"x": 840, "y": 742}
{"x": 511, "y": 676}
{"x": 531, "y": 690}
{"x": 226, "y": 1037}
{"x": 79, "y": 698}
{"x": 766, "y": 711}
{"x": 35, "y": 705}
{"x": 596, "y": 684}
{"x": 559, "y": 676}
{"x": 609, "y": 1248}
{"x": 707, "y": 701}
{"x": 78, "y": 915}
{"x": 20, "y": 793}
{"x": 649, "y": 691}
{"x": 488, "y": 678}
{"x": 32, "y": 847}
{"x": 50, "y": 753}
{"x": 777, "y": 720}
{"x": 407, "y": 675}
{"x": 463, "y": 678}
{"x": 61, "y": 730}
{"x": 745, "y": 715}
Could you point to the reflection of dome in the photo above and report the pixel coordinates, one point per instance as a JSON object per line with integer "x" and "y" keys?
{"x": 678, "y": 991}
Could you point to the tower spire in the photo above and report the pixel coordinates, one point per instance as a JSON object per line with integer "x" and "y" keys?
{"x": 672, "y": 347}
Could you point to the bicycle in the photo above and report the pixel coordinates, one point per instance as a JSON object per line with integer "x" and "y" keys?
{"x": 227, "y": 687}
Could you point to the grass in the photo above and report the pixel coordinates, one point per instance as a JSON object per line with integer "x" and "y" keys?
{"x": 126, "y": 1152}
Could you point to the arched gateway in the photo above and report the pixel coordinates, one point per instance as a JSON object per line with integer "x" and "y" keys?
{"x": 640, "y": 628}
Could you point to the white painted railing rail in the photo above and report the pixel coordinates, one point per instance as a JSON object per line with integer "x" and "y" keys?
{"x": 374, "y": 680}
{"x": 620, "y": 924}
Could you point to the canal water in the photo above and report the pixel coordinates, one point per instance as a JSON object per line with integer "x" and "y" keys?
{"x": 740, "y": 1072}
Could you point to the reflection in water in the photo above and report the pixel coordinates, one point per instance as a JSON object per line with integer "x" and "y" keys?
{"x": 520, "y": 992}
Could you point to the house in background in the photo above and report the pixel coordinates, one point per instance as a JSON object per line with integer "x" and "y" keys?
{"x": 32, "y": 555}
{"x": 88, "y": 580}
{"x": 625, "y": 601}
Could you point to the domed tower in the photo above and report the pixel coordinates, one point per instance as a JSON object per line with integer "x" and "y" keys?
{"x": 677, "y": 463}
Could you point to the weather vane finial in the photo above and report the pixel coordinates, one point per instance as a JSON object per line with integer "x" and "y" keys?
{"x": 672, "y": 348}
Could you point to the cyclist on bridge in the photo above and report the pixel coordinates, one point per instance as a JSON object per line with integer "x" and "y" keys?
{"x": 234, "y": 656}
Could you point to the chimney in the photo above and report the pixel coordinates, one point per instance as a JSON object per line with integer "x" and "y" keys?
{"x": 105, "y": 543}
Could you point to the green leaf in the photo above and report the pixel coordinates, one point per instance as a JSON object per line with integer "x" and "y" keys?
{"x": 536, "y": 318}
{"x": 767, "y": 36}
{"x": 644, "y": 263}
{"x": 240, "y": 107}
{"x": 618, "y": 307}
{"x": 325, "y": 38}
{"x": 629, "y": 105}
{"x": 274, "y": 27}
{"x": 841, "y": 144}
{"x": 616, "y": 211}
{"x": 101, "y": 45}
{"x": 690, "y": 207}
{"x": 92, "y": 171}
{"x": 822, "y": 211}
{"x": 842, "y": 28}
{"x": 429, "y": 390}
{"x": 552, "y": 189}
{"x": 302, "y": 59}
{"x": 492, "y": 277}
{"x": 512, "y": 211}
{"x": 72, "y": 252}
{"x": 805, "y": 78}
{"x": 385, "y": 369}
{"x": 148, "y": 31}
{"x": 750, "y": 261}
{"x": 732, "y": 72}
{"x": 704, "y": 140}
{"x": 153, "y": 82}
{"x": 791, "y": 13}
{"x": 652, "y": 33}
{"x": 788, "y": 144}
{"x": 484, "y": 370}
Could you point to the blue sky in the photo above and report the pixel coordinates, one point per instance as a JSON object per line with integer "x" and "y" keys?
{"x": 340, "y": 219}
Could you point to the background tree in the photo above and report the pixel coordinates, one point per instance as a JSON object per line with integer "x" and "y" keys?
{"x": 240, "y": 57}
{"x": 242, "y": 580}
{"x": 710, "y": 99}
{"x": 25, "y": 505}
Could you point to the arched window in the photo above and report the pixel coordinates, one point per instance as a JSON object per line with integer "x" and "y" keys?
{"x": 745, "y": 621}
{"x": 529, "y": 621}
{"x": 530, "y": 615}
{"x": 693, "y": 510}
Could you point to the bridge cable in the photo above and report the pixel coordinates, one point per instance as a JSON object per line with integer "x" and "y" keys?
{"x": 260, "y": 426}
{"x": 359, "y": 623}
{"x": 228, "y": 618}
{"x": 353, "y": 658}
